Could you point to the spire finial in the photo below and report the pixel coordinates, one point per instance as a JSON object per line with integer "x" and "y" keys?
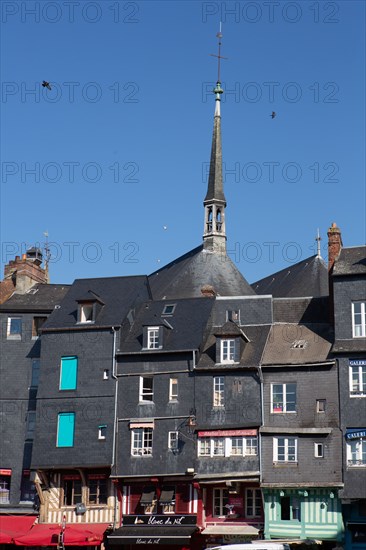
{"x": 218, "y": 90}
{"x": 318, "y": 239}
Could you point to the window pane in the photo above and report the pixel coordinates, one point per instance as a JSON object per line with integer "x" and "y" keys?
{"x": 290, "y": 397}
{"x": 65, "y": 429}
{"x": 277, "y": 397}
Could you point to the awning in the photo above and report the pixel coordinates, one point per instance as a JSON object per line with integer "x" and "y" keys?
{"x": 167, "y": 495}
{"x": 230, "y": 530}
{"x": 152, "y": 535}
{"x": 14, "y": 526}
{"x": 148, "y": 495}
{"x": 75, "y": 534}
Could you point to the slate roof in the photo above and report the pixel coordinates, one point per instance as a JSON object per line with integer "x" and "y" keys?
{"x": 315, "y": 338}
{"x": 306, "y": 278}
{"x": 41, "y": 297}
{"x": 356, "y": 345}
{"x": 215, "y": 187}
{"x": 251, "y": 351}
{"x": 351, "y": 261}
{"x": 185, "y": 328}
{"x": 185, "y": 276}
{"x": 301, "y": 310}
{"x": 118, "y": 294}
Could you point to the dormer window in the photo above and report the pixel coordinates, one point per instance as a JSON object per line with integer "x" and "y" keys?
{"x": 86, "y": 313}
{"x": 168, "y": 309}
{"x": 153, "y": 340}
{"x": 228, "y": 350}
{"x": 233, "y": 315}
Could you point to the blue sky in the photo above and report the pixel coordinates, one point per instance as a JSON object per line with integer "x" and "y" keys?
{"x": 112, "y": 161}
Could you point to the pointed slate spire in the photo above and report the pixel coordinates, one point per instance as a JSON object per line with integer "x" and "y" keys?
{"x": 214, "y": 236}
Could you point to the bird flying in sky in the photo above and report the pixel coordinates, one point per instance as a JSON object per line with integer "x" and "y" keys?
{"x": 46, "y": 85}
{"x": 273, "y": 114}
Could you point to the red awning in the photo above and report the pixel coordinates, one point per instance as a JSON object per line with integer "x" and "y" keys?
{"x": 14, "y": 526}
{"x": 76, "y": 534}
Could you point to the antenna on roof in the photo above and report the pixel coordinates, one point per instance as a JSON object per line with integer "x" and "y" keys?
{"x": 47, "y": 256}
{"x": 318, "y": 239}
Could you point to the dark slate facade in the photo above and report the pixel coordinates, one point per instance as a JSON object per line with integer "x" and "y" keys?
{"x": 349, "y": 287}
{"x": 21, "y": 315}
{"x": 300, "y": 435}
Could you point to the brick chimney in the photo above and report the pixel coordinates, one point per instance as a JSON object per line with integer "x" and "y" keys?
{"x": 22, "y": 273}
{"x": 334, "y": 245}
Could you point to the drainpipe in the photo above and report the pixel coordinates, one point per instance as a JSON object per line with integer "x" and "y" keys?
{"x": 115, "y": 423}
{"x": 262, "y": 422}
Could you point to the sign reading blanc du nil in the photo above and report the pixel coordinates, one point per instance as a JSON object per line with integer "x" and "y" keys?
{"x": 160, "y": 520}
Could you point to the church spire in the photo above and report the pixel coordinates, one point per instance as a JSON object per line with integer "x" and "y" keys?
{"x": 214, "y": 236}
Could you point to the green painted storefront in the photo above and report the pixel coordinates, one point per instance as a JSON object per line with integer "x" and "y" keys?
{"x": 303, "y": 514}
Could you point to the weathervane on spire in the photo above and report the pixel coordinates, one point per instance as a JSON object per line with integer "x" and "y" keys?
{"x": 318, "y": 239}
{"x": 218, "y": 90}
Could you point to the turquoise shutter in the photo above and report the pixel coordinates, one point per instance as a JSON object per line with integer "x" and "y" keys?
{"x": 69, "y": 372}
{"x": 65, "y": 429}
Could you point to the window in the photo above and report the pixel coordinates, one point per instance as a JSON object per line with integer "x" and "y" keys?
{"x": 357, "y": 378}
{"x": 253, "y": 503}
{"x": 283, "y": 398}
{"x": 320, "y": 405}
{"x": 204, "y": 446}
{"x": 168, "y": 309}
{"x": 218, "y": 446}
{"x": 356, "y": 452}
{"x": 102, "y": 431}
{"x": 31, "y": 424}
{"x": 243, "y": 446}
{"x": 285, "y": 449}
{"x": 167, "y": 499}
{"x": 14, "y": 328}
{"x": 68, "y": 373}
{"x": 146, "y": 389}
{"x": 97, "y": 491}
{"x": 72, "y": 489}
{"x": 106, "y": 374}
{"x": 251, "y": 445}
{"x": 227, "y": 446}
{"x": 65, "y": 429}
{"x": 318, "y": 450}
{"x": 237, "y": 446}
{"x": 153, "y": 338}
{"x": 228, "y": 349}
{"x": 35, "y": 372}
{"x": 233, "y": 315}
{"x": 4, "y": 488}
{"x": 173, "y": 389}
{"x": 173, "y": 441}
{"x": 86, "y": 313}
{"x": 220, "y": 500}
{"x": 218, "y": 391}
{"x": 141, "y": 442}
{"x": 37, "y": 324}
{"x": 28, "y": 490}
{"x": 290, "y": 508}
{"x": 359, "y": 319}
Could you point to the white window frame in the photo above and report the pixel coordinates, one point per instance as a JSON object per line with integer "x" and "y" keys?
{"x": 173, "y": 389}
{"x": 219, "y": 391}
{"x": 173, "y": 440}
{"x": 227, "y": 350}
{"x": 153, "y": 338}
{"x": 360, "y": 372}
{"x": 354, "y": 453}
{"x": 223, "y": 446}
{"x": 256, "y": 495}
{"x": 318, "y": 450}
{"x": 87, "y": 313}
{"x": 15, "y": 335}
{"x": 321, "y": 405}
{"x": 146, "y": 395}
{"x": 102, "y": 431}
{"x": 219, "y": 491}
{"x": 359, "y": 329}
{"x": 284, "y": 402}
{"x": 141, "y": 441}
{"x": 288, "y": 442}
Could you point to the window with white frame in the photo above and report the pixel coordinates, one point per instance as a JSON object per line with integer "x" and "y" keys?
{"x": 318, "y": 450}
{"x": 220, "y": 498}
{"x": 284, "y": 449}
{"x": 227, "y": 446}
{"x": 173, "y": 441}
{"x": 141, "y": 444}
{"x": 14, "y": 328}
{"x": 102, "y": 431}
{"x": 173, "y": 389}
{"x": 357, "y": 380}
{"x": 356, "y": 452}
{"x": 283, "y": 398}
{"x": 218, "y": 391}
{"x": 253, "y": 503}
{"x": 359, "y": 319}
{"x": 146, "y": 389}
{"x": 227, "y": 350}
{"x": 153, "y": 338}
{"x": 86, "y": 313}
